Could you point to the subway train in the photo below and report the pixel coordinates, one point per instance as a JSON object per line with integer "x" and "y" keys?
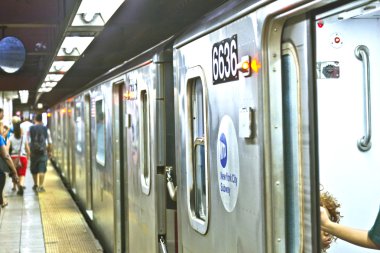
{"x": 221, "y": 138}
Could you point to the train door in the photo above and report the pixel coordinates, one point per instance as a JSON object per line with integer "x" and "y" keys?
{"x": 118, "y": 163}
{"x": 294, "y": 115}
{"x": 141, "y": 201}
{"x": 328, "y": 114}
{"x": 64, "y": 145}
{"x": 146, "y": 158}
{"x": 348, "y": 98}
{"x": 71, "y": 144}
{"x": 79, "y": 152}
{"x": 88, "y": 155}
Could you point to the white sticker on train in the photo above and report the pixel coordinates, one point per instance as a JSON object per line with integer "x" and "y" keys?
{"x": 228, "y": 163}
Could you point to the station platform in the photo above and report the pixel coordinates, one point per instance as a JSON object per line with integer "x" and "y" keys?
{"x": 44, "y": 222}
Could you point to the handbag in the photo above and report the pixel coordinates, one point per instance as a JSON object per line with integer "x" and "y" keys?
{"x": 17, "y": 162}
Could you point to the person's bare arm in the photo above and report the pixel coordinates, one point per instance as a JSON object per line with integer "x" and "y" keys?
{"x": 351, "y": 235}
{"x": 27, "y": 149}
{"x": 7, "y": 158}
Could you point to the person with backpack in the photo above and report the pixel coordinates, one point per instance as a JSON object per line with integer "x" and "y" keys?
{"x": 40, "y": 151}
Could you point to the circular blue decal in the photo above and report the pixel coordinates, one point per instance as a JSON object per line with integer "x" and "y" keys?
{"x": 223, "y": 150}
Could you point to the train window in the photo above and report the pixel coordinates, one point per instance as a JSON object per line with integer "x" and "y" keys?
{"x": 100, "y": 132}
{"x": 59, "y": 125}
{"x": 197, "y": 169}
{"x": 198, "y": 153}
{"x": 292, "y": 150}
{"x": 144, "y": 142}
{"x": 64, "y": 125}
{"x": 79, "y": 126}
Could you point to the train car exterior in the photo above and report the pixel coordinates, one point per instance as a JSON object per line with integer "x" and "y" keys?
{"x": 121, "y": 140}
{"x": 249, "y": 141}
{"x": 241, "y": 112}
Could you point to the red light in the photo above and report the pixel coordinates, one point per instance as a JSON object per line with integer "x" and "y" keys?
{"x": 337, "y": 39}
{"x": 320, "y": 23}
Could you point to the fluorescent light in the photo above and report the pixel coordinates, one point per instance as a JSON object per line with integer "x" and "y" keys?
{"x": 42, "y": 90}
{"x": 53, "y": 77}
{"x": 95, "y": 12}
{"x": 40, "y": 105}
{"x": 49, "y": 84}
{"x": 74, "y": 45}
{"x": 61, "y": 66}
{"x": 24, "y": 95}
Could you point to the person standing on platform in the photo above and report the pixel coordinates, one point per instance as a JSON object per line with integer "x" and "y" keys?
{"x": 25, "y": 126}
{"x": 6, "y": 157}
{"x": 19, "y": 152}
{"x": 40, "y": 151}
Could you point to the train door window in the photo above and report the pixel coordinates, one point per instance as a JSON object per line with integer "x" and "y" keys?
{"x": 79, "y": 126}
{"x": 197, "y": 168}
{"x": 59, "y": 125}
{"x": 292, "y": 144}
{"x": 144, "y": 142}
{"x": 64, "y": 124}
{"x": 100, "y": 132}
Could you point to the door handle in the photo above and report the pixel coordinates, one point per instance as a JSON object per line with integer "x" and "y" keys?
{"x": 362, "y": 54}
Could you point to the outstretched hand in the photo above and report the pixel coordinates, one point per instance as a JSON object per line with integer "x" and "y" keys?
{"x": 324, "y": 218}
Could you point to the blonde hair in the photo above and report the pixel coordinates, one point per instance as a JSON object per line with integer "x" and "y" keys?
{"x": 331, "y": 204}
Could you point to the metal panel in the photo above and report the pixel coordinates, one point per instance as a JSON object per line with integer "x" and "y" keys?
{"x": 102, "y": 180}
{"x": 79, "y": 150}
{"x": 245, "y": 219}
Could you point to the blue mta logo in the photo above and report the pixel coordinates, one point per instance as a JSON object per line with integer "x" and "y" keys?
{"x": 223, "y": 150}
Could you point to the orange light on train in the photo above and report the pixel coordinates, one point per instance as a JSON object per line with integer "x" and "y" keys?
{"x": 255, "y": 65}
{"x": 127, "y": 95}
{"x": 49, "y": 115}
{"x": 245, "y": 66}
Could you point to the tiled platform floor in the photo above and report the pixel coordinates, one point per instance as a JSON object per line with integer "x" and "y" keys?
{"x": 44, "y": 223}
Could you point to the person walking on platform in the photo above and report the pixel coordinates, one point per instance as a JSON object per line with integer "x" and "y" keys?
{"x": 40, "y": 151}
{"x": 19, "y": 151}
{"x": 25, "y": 126}
{"x": 13, "y": 173}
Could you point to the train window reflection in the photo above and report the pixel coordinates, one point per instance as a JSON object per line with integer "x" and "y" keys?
{"x": 100, "y": 132}
{"x": 292, "y": 152}
{"x": 144, "y": 141}
{"x": 79, "y": 126}
{"x": 198, "y": 191}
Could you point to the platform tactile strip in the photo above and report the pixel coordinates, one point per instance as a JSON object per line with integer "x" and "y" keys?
{"x": 65, "y": 229}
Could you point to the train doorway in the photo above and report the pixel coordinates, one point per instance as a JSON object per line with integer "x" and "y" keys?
{"x": 348, "y": 99}
{"x": 88, "y": 155}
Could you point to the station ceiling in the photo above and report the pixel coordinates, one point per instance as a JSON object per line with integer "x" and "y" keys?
{"x": 41, "y": 25}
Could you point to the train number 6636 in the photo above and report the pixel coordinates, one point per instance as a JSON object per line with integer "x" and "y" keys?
{"x": 225, "y": 60}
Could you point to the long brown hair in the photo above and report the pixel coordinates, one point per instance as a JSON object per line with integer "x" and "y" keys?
{"x": 17, "y": 130}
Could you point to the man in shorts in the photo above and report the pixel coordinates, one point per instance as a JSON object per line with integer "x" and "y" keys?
{"x": 40, "y": 151}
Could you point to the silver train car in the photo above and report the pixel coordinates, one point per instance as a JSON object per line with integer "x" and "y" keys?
{"x": 221, "y": 138}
